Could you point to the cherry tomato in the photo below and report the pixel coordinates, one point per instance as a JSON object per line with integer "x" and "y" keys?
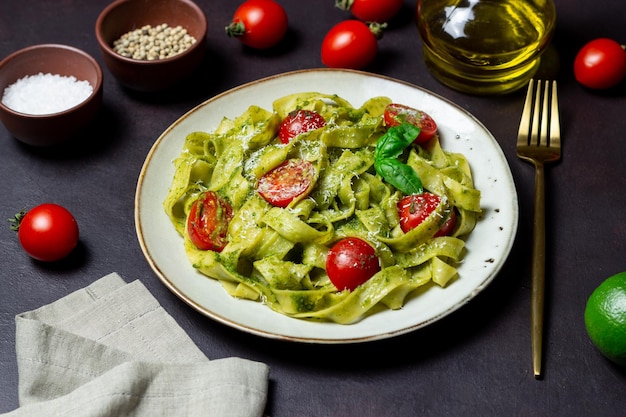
{"x": 259, "y": 24}
{"x": 47, "y": 232}
{"x": 371, "y": 10}
{"x": 351, "y": 262}
{"x": 207, "y": 223}
{"x": 396, "y": 114}
{"x": 289, "y": 180}
{"x": 448, "y": 226}
{"x": 297, "y": 122}
{"x": 350, "y": 44}
{"x": 600, "y": 64}
{"x": 415, "y": 208}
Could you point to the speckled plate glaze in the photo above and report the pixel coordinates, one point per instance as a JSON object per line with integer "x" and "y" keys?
{"x": 487, "y": 247}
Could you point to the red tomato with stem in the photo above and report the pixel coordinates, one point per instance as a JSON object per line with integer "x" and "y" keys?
{"x": 298, "y": 122}
{"x": 289, "y": 180}
{"x": 207, "y": 222}
{"x": 47, "y": 232}
{"x": 351, "y": 44}
{"x": 259, "y": 24}
{"x": 415, "y": 208}
{"x": 371, "y": 10}
{"x": 396, "y": 114}
{"x": 351, "y": 262}
{"x": 600, "y": 64}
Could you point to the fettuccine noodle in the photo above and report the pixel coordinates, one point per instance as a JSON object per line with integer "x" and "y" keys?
{"x": 277, "y": 255}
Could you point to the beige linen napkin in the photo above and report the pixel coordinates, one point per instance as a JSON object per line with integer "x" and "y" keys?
{"x": 110, "y": 349}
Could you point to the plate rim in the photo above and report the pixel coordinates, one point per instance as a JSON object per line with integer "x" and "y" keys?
{"x": 312, "y": 339}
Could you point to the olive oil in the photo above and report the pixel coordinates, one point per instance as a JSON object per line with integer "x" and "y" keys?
{"x": 484, "y": 46}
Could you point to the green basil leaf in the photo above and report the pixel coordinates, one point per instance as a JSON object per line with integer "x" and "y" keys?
{"x": 395, "y": 141}
{"x": 388, "y": 148}
{"x": 400, "y": 175}
{"x": 408, "y": 133}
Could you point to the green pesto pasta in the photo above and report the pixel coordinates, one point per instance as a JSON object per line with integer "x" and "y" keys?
{"x": 278, "y": 255}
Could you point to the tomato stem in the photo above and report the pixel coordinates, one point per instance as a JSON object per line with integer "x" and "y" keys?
{"x": 236, "y": 29}
{"x": 377, "y": 29}
{"x": 16, "y": 220}
{"x": 344, "y": 4}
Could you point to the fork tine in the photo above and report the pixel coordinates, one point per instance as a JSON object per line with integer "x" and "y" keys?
{"x": 539, "y": 124}
{"x": 524, "y": 125}
{"x": 535, "y": 133}
{"x": 555, "y": 125}
{"x": 545, "y": 115}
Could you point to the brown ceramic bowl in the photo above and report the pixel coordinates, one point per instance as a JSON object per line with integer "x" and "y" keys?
{"x": 53, "y": 128}
{"x": 123, "y": 16}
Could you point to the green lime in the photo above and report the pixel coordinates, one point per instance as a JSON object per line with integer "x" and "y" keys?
{"x": 605, "y": 318}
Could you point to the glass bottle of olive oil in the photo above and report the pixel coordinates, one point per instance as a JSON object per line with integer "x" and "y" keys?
{"x": 484, "y": 46}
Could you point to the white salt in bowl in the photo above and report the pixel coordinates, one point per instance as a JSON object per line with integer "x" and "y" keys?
{"x": 44, "y": 96}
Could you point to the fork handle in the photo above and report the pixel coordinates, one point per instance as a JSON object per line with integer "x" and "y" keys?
{"x": 538, "y": 270}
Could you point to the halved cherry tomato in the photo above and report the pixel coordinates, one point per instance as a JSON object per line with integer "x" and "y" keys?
{"x": 350, "y": 44}
{"x": 47, "y": 232}
{"x": 207, "y": 223}
{"x": 371, "y": 10}
{"x": 287, "y": 181}
{"x": 600, "y": 64}
{"x": 258, "y": 24}
{"x": 415, "y": 208}
{"x": 396, "y": 114}
{"x": 448, "y": 226}
{"x": 297, "y": 122}
{"x": 351, "y": 262}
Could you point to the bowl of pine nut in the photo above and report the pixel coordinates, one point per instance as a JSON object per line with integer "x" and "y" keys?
{"x": 151, "y": 45}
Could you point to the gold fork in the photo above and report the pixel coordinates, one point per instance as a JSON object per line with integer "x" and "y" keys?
{"x": 539, "y": 142}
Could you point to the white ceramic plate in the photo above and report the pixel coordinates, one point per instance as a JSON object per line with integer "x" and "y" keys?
{"x": 487, "y": 247}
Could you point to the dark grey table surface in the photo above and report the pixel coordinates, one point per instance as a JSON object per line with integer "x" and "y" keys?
{"x": 474, "y": 362}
